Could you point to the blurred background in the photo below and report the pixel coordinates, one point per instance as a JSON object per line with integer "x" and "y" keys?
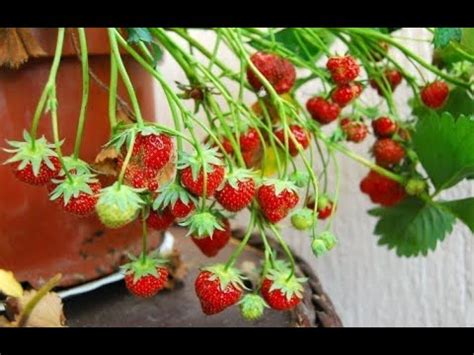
{"x": 370, "y": 285}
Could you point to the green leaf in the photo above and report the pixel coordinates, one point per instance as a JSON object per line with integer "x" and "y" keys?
{"x": 293, "y": 40}
{"x": 459, "y": 103}
{"x": 142, "y": 34}
{"x": 413, "y": 226}
{"x": 467, "y": 40}
{"x": 462, "y": 209}
{"x": 445, "y": 147}
{"x": 443, "y": 36}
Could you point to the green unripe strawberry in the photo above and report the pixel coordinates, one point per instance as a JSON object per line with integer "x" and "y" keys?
{"x": 118, "y": 205}
{"x": 252, "y": 307}
{"x": 303, "y": 219}
{"x": 318, "y": 246}
{"x": 329, "y": 239}
{"x": 415, "y": 186}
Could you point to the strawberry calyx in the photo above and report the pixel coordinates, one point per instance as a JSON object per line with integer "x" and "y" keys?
{"x": 288, "y": 284}
{"x": 328, "y": 238}
{"x": 143, "y": 265}
{"x": 323, "y": 202}
{"x": 171, "y": 193}
{"x": 202, "y": 224}
{"x": 237, "y": 175}
{"x": 226, "y": 276}
{"x": 280, "y": 185}
{"x": 121, "y": 196}
{"x": 69, "y": 188}
{"x": 26, "y": 153}
{"x": 299, "y": 178}
{"x": 210, "y": 156}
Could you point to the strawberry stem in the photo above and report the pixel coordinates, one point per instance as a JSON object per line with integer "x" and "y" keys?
{"x": 127, "y": 158}
{"x": 243, "y": 243}
{"x": 113, "y": 93}
{"x": 144, "y": 236}
{"x": 85, "y": 91}
{"x": 123, "y": 73}
{"x": 285, "y": 248}
{"x": 47, "y": 88}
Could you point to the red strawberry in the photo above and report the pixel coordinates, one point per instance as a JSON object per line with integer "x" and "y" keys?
{"x": 76, "y": 194}
{"x": 435, "y": 94}
{"x": 139, "y": 176}
{"x": 218, "y": 288}
{"x": 160, "y": 220}
{"x": 393, "y": 77}
{"x": 322, "y": 110}
{"x": 276, "y": 198}
{"x": 325, "y": 207}
{"x": 279, "y": 72}
{"x": 388, "y": 152}
{"x": 280, "y": 291}
{"x": 145, "y": 276}
{"x": 301, "y": 136}
{"x": 344, "y": 94}
{"x": 156, "y": 149}
{"x": 213, "y": 242}
{"x": 355, "y": 131}
{"x": 249, "y": 141}
{"x": 192, "y": 177}
{"x": 381, "y": 189}
{"x": 384, "y": 127}
{"x": 181, "y": 209}
{"x": 237, "y": 192}
{"x": 34, "y": 161}
{"x": 343, "y": 69}
{"x": 176, "y": 198}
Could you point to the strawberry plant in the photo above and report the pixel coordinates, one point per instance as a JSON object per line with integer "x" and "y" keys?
{"x": 270, "y": 157}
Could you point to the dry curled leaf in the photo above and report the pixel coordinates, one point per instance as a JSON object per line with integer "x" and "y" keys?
{"x": 9, "y": 285}
{"x": 17, "y": 45}
{"x": 106, "y": 161}
{"x": 48, "y": 312}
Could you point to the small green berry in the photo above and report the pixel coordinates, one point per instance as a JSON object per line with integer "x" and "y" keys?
{"x": 303, "y": 219}
{"x": 252, "y": 307}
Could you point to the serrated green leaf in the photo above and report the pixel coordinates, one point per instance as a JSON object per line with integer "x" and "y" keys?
{"x": 142, "y": 34}
{"x": 413, "y": 226}
{"x": 445, "y": 147}
{"x": 301, "y": 46}
{"x": 444, "y": 35}
{"x": 462, "y": 209}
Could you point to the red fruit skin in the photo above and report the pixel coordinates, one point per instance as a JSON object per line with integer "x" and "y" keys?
{"x": 249, "y": 141}
{"x": 160, "y": 221}
{"x": 382, "y": 190}
{"x": 156, "y": 149}
{"x": 435, "y": 94}
{"x": 227, "y": 145}
{"x": 275, "y": 208}
{"x": 83, "y": 204}
{"x": 325, "y": 212}
{"x": 384, "y": 127}
{"x": 214, "y": 300}
{"x": 234, "y": 200}
{"x": 279, "y": 72}
{"x": 387, "y": 152}
{"x": 276, "y": 299}
{"x": 148, "y": 285}
{"x": 44, "y": 176}
{"x": 394, "y": 78}
{"x": 182, "y": 210}
{"x": 211, "y": 245}
{"x": 345, "y": 94}
{"x": 322, "y": 110}
{"x": 301, "y": 136}
{"x": 355, "y": 131}
{"x": 196, "y": 187}
{"x": 343, "y": 69}
{"x": 140, "y": 176}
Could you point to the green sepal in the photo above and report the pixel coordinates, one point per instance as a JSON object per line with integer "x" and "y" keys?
{"x": 299, "y": 178}
{"x": 280, "y": 185}
{"x": 142, "y": 266}
{"x": 236, "y": 176}
{"x": 202, "y": 224}
{"x": 210, "y": 155}
{"x": 288, "y": 285}
{"x": 225, "y": 276}
{"x": 169, "y": 194}
{"x": 123, "y": 196}
{"x": 252, "y": 306}
{"x": 68, "y": 188}
{"x": 25, "y": 153}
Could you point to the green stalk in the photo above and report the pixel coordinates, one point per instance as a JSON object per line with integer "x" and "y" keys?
{"x": 243, "y": 243}
{"x": 113, "y": 93}
{"x": 49, "y": 84}
{"x": 85, "y": 91}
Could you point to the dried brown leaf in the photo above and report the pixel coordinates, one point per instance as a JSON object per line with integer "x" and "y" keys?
{"x": 47, "y": 313}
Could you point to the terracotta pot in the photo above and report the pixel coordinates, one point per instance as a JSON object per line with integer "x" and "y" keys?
{"x": 38, "y": 239}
